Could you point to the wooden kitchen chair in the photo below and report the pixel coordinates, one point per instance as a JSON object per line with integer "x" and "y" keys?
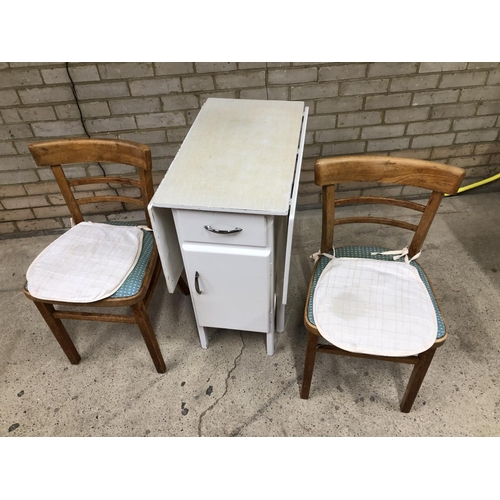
{"x": 136, "y": 291}
{"x": 337, "y": 317}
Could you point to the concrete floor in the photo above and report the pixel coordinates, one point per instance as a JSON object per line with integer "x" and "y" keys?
{"x": 233, "y": 388}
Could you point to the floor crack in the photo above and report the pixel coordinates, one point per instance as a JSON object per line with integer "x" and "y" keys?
{"x": 263, "y": 408}
{"x": 226, "y": 389}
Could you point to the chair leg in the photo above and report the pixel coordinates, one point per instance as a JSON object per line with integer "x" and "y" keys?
{"x": 149, "y": 336}
{"x": 311, "y": 349}
{"x": 60, "y": 333}
{"x": 416, "y": 379}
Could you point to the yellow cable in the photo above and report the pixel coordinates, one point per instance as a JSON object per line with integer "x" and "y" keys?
{"x": 476, "y": 184}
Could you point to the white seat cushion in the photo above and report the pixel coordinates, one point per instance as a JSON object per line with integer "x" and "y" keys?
{"x": 374, "y": 307}
{"x": 87, "y": 263}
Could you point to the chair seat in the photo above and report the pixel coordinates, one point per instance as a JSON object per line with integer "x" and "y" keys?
{"x": 133, "y": 282}
{"x": 365, "y": 253}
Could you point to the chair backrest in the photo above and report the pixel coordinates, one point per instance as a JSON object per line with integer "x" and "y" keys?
{"x": 57, "y": 153}
{"x": 436, "y": 177}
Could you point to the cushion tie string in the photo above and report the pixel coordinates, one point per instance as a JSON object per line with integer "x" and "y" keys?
{"x": 397, "y": 254}
{"x": 316, "y": 256}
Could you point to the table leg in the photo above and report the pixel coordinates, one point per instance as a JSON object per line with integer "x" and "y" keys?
{"x": 203, "y": 337}
{"x": 280, "y": 317}
{"x": 270, "y": 343}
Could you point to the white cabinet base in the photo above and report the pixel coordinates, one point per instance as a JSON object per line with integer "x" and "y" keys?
{"x": 269, "y": 340}
{"x": 230, "y": 276}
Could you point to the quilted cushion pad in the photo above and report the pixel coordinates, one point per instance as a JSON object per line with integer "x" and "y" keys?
{"x": 374, "y": 306}
{"x": 86, "y": 264}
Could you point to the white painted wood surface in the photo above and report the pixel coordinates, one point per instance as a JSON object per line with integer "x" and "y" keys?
{"x": 291, "y": 215}
{"x": 167, "y": 243}
{"x": 239, "y": 166}
{"x": 239, "y": 156}
{"x": 191, "y": 227}
{"x": 235, "y": 285}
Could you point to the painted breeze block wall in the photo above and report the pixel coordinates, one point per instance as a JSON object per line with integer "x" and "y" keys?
{"x": 445, "y": 112}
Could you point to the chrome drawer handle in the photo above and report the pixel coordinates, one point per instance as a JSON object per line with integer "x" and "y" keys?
{"x": 196, "y": 284}
{"x": 223, "y": 231}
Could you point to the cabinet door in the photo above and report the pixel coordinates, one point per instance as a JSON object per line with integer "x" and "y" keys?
{"x": 235, "y": 284}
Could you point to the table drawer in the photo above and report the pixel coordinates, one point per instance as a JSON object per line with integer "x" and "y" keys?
{"x": 221, "y": 228}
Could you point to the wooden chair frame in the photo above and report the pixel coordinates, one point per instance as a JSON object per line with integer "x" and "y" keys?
{"x": 438, "y": 178}
{"x": 57, "y": 153}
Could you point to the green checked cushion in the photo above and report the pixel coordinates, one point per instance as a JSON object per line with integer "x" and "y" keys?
{"x": 133, "y": 282}
{"x": 360, "y": 252}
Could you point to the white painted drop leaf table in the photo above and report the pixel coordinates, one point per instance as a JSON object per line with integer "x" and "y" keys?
{"x": 224, "y": 213}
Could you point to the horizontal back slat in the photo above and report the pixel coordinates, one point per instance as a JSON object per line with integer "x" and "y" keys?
{"x": 110, "y": 199}
{"x": 404, "y": 171}
{"x": 67, "y": 151}
{"x": 375, "y": 220}
{"x": 380, "y": 200}
{"x": 104, "y": 180}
